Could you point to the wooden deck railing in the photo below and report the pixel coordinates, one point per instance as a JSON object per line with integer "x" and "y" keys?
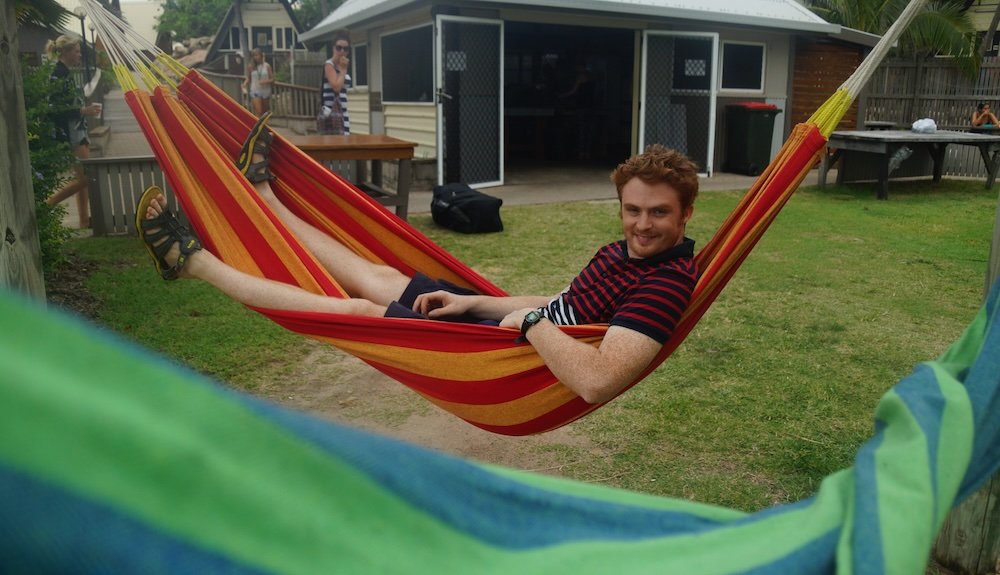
{"x": 116, "y": 184}
{"x": 287, "y": 100}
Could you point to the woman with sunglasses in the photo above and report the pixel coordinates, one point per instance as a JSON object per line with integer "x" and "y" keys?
{"x": 332, "y": 118}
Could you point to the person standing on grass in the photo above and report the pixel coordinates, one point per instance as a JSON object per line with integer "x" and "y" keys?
{"x": 640, "y": 285}
{"x": 69, "y": 111}
{"x": 258, "y": 81}
{"x": 333, "y": 117}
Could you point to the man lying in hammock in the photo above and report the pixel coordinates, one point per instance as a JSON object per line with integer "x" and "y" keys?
{"x": 639, "y": 285}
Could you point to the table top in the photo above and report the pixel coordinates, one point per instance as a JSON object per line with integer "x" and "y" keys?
{"x": 350, "y": 141}
{"x": 946, "y": 136}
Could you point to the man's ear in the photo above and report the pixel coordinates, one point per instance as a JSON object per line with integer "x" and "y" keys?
{"x": 687, "y": 214}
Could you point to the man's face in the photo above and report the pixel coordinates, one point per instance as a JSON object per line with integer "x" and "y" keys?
{"x": 652, "y": 218}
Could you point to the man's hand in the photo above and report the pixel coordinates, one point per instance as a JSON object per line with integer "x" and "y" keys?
{"x": 515, "y": 318}
{"x": 441, "y": 304}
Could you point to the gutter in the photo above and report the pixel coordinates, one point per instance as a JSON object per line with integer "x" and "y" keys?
{"x": 338, "y": 19}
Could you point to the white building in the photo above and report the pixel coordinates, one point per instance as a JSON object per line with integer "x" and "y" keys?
{"x": 480, "y": 84}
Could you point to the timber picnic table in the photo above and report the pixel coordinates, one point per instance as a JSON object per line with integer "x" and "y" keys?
{"x": 884, "y": 143}
{"x": 359, "y": 148}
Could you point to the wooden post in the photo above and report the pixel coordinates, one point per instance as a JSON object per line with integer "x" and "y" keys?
{"x": 918, "y": 82}
{"x": 970, "y": 537}
{"x": 20, "y": 253}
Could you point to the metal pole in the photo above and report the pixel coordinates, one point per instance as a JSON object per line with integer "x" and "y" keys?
{"x": 83, "y": 36}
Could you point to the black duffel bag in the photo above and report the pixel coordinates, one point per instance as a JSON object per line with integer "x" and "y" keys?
{"x": 458, "y": 207}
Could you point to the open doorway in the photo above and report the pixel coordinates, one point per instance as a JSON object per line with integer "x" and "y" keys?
{"x": 568, "y": 93}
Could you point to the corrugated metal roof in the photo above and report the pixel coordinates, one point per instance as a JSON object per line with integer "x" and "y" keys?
{"x": 784, "y": 14}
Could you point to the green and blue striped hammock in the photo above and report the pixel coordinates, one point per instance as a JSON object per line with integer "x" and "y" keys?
{"x": 114, "y": 460}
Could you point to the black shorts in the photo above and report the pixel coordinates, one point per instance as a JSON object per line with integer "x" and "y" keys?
{"x": 421, "y": 284}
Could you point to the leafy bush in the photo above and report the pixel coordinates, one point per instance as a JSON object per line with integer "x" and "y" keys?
{"x": 50, "y": 159}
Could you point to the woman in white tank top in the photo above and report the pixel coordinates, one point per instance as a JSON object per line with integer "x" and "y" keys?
{"x": 258, "y": 81}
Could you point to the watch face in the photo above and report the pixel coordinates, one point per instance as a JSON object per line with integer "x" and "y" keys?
{"x": 530, "y": 319}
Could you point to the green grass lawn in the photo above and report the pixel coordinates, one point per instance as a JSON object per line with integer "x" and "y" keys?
{"x": 771, "y": 392}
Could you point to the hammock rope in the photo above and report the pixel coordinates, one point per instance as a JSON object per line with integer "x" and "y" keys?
{"x": 478, "y": 373}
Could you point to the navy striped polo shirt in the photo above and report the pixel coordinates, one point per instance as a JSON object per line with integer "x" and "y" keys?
{"x": 647, "y": 295}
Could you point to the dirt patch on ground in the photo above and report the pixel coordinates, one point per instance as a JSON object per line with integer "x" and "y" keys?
{"x": 343, "y": 389}
{"x": 65, "y": 287}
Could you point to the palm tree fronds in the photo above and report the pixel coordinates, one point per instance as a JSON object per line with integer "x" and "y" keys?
{"x": 47, "y": 14}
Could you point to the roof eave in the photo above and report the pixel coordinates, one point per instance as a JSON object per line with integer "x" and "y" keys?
{"x": 324, "y": 28}
{"x": 855, "y": 36}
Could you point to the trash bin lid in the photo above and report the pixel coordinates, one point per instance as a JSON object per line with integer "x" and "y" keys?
{"x": 754, "y": 106}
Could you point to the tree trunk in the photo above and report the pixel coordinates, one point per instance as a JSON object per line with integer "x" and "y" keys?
{"x": 987, "y": 43}
{"x": 970, "y": 536}
{"x": 20, "y": 254}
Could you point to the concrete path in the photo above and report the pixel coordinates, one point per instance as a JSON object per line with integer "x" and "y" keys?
{"x": 543, "y": 185}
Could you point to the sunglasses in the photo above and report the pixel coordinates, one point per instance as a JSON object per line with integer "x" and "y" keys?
{"x": 341, "y": 48}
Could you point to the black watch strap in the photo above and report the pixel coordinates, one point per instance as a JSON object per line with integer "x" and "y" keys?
{"x": 531, "y": 318}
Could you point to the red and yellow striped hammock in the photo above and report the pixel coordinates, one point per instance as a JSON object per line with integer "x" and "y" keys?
{"x": 476, "y": 372}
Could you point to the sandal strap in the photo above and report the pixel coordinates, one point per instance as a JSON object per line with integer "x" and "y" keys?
{"x": 169, "y": 229}
{"x": 258, "y": 142}
{"x": 188, "y": 245}
{"x": 260, "y": 172}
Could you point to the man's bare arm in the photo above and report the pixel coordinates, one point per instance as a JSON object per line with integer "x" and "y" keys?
{"x": 595, "y": 374}
{"x": 441, "y": 304}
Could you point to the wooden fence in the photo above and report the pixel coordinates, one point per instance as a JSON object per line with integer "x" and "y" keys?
{"x": 905, "y": 90}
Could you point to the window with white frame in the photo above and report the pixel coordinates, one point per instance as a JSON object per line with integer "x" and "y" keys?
{"x": 743, "y": 66}
{"x": 231, "y": 41}
{"x": 284, "y": 38}
{"x": 408, "y": 65}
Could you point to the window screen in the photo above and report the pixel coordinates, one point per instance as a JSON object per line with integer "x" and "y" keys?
{"x": 407, "y": 66}
{"x": 742, "y": 66}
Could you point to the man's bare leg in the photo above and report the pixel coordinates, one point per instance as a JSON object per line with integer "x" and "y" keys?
{"x": 254, "y": 291}
{"x": 361, "y": 278}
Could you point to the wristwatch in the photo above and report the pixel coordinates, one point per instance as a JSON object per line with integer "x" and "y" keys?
{"x": 531, "y": 318}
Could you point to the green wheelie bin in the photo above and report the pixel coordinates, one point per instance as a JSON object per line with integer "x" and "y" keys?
{"x": 749, "y": 128}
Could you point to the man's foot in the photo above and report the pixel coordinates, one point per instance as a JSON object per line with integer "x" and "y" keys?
{"x": 253, "y": 160}
{"x": 169, "y": 243}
